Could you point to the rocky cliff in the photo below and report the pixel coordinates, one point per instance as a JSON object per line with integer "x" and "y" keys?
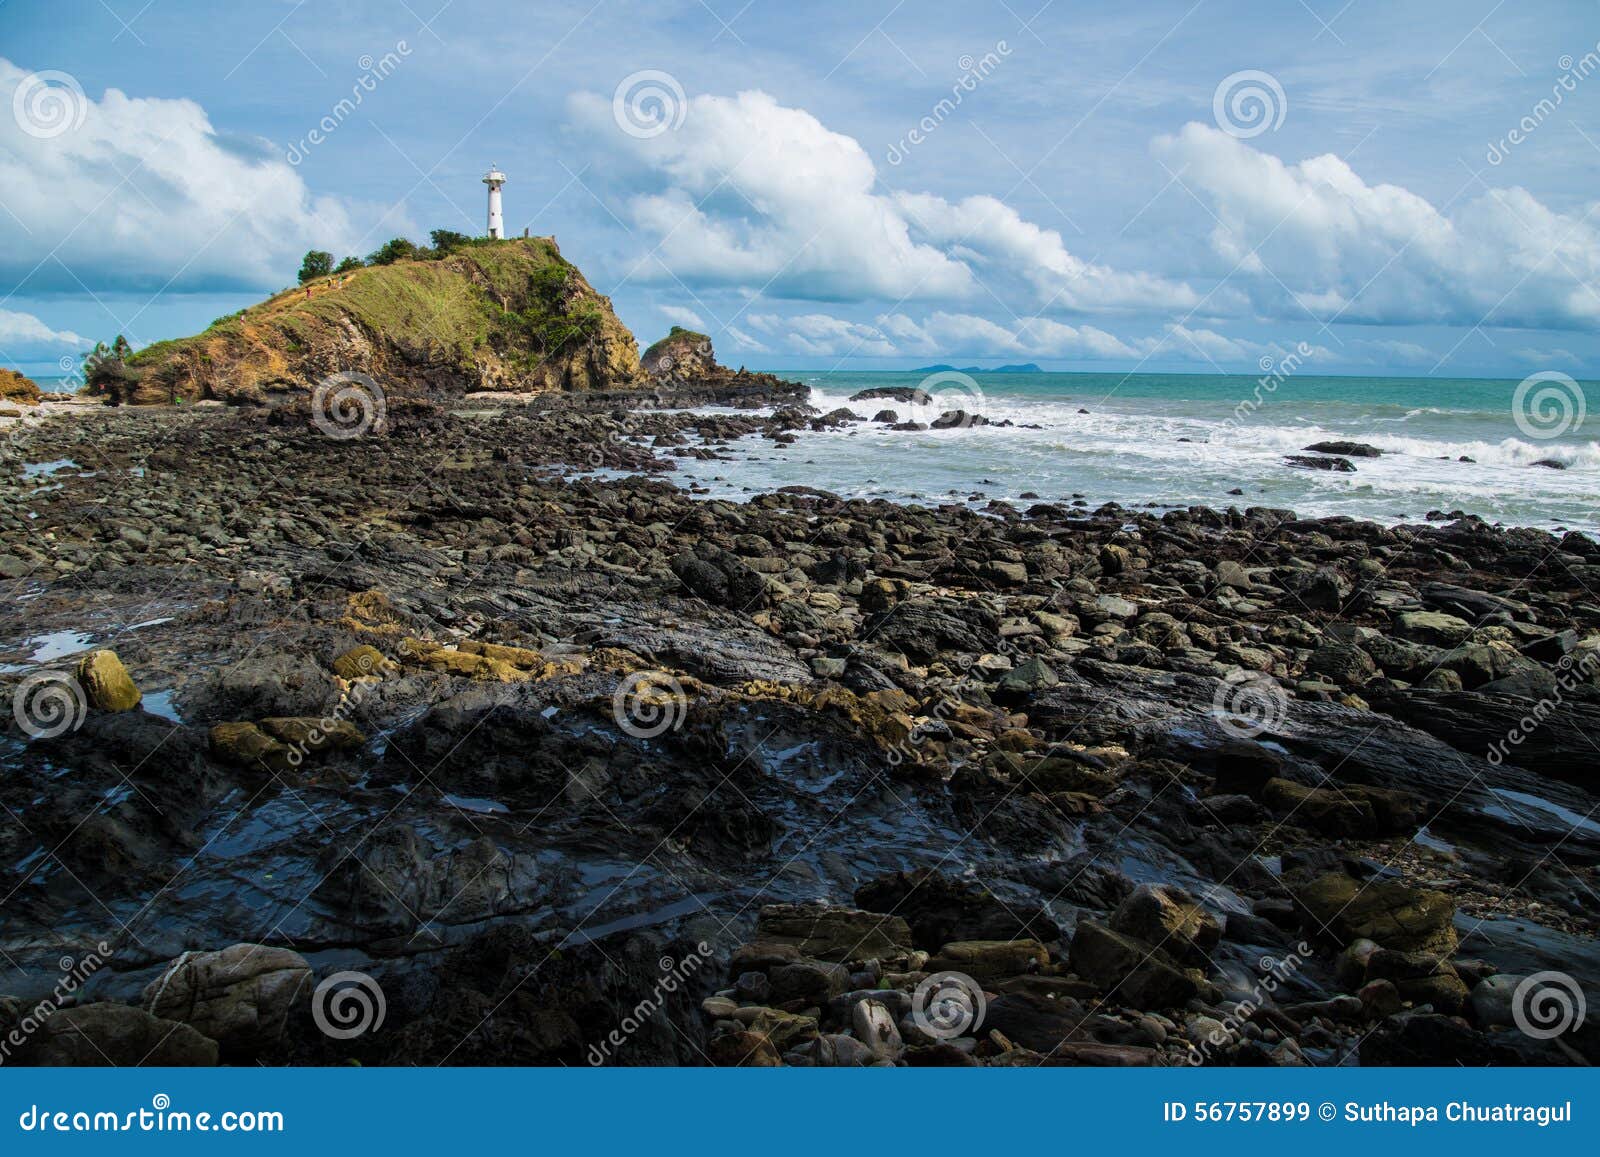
{"x": 503, "y": 315}
{"x": 16, "y": 390}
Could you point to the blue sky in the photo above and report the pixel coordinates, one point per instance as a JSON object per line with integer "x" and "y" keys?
{"x": 1185, "y": 186}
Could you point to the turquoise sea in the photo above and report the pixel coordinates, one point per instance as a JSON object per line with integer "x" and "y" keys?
{"x": 1181, "y": 439}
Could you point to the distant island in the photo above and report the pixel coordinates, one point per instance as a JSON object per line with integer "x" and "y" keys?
{"x": 1025, "y": 368}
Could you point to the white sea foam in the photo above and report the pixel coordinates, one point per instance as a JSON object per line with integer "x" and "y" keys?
{"x": 1182, "y": 452}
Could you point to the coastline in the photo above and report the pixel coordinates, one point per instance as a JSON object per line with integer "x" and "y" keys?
{"x": 618, "y": 717}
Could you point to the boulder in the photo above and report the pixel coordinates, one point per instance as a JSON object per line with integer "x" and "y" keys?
{"x": 809, "y": 980}
{"x": 1310, "y": 462}
{"x": 874, "y": 1027}
{"x": 1432, "y": 627}
{"x": 941, "y": 909}
{"x": 1348, "y": 449}
{"x": 94, "y": 1035}
{"x": 1327, "y": 810}
{"x": 1342, "y": 663}
{"x": 840, "y": 935}
{"x": 751, "y": 1050}
{"x": 1168, "y": 916}
{"x": 242, "y": 997}
{"x": 1129, "y": 970}
{"x": 362, "y": 662}
{"x": 106, "y": 682}
{"x": 990, "y": 959}
{"x": 1391, "y": 914}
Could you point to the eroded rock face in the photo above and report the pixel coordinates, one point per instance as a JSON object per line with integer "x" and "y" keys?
{"x": 241, "y": 997}
{"x": 105, "y": 1034}
{"x": 17, "y": 390}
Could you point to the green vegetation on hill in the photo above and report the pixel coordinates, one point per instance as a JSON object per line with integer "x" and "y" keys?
{"x": 677, "y": 335}
{"x": 467, "y": 314}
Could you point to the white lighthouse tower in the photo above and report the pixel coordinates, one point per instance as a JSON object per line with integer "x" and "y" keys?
{"x": 494, "y": 178}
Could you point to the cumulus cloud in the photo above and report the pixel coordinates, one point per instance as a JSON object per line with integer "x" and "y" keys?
{"x": 679, "y": 315}
{"x": 135, "y": 193}
{"x": 23, "y": 335}
{"x": 1315, "y": 237}
{"x": 823, "y": 335}
{"x": 951, "y": 334}
{"x": 747, "y": 192}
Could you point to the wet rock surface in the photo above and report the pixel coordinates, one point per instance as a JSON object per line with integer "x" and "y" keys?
{"x": 583, "y": 769}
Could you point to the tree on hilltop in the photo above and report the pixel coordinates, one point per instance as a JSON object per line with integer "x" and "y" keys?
{"x": 317, "y": 263}
{"x": 448, "y": 240}
{"x": 398, "y": 249}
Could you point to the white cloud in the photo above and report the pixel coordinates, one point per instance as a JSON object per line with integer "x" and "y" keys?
{"x": 948, "y": 334}
{"x": 823, "y": 335}
{"x": 23, "y": 334}
{"x": 758, "y": 195}
{"x": 682, "y": 316}
{"x": 145, "y": 191}
{"x": 1315, "y": 237}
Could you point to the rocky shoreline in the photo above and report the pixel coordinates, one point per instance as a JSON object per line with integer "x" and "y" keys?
{"x": 516, "y": 742}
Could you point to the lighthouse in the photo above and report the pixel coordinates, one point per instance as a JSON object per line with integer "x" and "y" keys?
{"x": 494, "y": 178}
